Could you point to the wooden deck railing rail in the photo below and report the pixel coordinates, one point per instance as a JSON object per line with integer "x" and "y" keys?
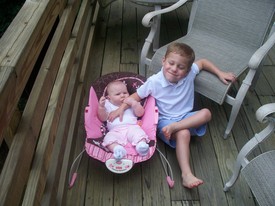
{"x": 54, "y": 39}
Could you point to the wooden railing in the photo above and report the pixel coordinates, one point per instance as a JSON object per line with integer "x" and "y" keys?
{"x": 50, "y": 40}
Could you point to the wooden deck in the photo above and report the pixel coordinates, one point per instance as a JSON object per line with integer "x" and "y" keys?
{"x": 62, "y": 47}
{"x": 118, "y": 41}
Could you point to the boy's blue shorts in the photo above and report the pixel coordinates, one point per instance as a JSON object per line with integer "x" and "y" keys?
{"x": 200, "y": 131}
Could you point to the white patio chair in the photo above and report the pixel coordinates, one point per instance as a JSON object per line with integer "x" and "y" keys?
{"x": 157, "y": 5}
{"x": 230, "y": 33}
{"x": 258, "y": 172}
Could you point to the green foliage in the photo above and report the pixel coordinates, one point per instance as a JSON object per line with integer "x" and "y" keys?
{"x": 8, "y": 10}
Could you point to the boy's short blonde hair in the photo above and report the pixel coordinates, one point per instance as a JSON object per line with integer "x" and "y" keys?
{"x": 183, "y": 50}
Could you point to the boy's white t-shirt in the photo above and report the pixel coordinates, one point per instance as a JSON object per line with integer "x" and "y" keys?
{"x": 172, "y": 100}
{"x": 128, "y": 116}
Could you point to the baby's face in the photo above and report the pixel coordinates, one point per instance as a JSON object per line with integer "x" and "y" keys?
{"x": 175, "y": 67}
{"x": 117, "y": 93}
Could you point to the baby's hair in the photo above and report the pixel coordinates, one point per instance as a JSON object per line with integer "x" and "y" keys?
{"x": 183, "y": 50}
{"x": 115, "y": 82}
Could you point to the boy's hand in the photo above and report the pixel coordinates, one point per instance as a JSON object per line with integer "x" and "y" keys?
{"x": 130, "y": 101}
{"x": 227, "y": 77}
{"x": 136, "y": 106}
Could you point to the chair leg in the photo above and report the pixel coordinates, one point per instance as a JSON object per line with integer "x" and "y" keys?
{"x": 234, "y": 177}
{"x": 234, "y": 113}
{"x": 237, "y": 102}
{"x": 241, "y": 161}
{"x": 257, "y": 76}
{"x": 157, "y": 21}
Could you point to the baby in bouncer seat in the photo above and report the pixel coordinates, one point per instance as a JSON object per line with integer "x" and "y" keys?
{"x": 125, "y": 130}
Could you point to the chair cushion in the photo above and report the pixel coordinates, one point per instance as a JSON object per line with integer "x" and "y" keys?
{"x": 259, "y": 174}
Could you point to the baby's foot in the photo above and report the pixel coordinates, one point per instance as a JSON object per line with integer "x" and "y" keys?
{"x": 119, "y": 152}
{"x": 168, "y": 130}
{"x": 190, "y": 181}
{"x": 142, "y": 148}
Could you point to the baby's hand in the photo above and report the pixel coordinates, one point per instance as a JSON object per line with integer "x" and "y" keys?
{"x": 136, "y": 106}
{"x": 102, "y": 101}
{"x": 227, "y": 77}
{"x": 116, "y": 113}
{"x": 130, "y": 101}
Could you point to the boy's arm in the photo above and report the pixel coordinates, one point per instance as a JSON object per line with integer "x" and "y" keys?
{"x": 119, "y": 112}
{"x": 207, "y": 65}
{"x": 135, "y": 105}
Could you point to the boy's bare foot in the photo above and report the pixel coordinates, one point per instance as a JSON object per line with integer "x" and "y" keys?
{"x": 168, "y": 130}
{"x": 190, "y": 181}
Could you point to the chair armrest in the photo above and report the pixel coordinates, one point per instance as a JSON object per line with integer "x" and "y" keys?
{"x": 258, "y": 56}
{"x": 146, "y": 21}
{"x": 264, "y": 111}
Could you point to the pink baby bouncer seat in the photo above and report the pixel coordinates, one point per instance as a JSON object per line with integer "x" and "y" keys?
{"x": 96, "y": 130}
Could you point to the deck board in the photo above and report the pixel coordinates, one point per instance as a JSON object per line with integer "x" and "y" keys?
{"x": 119, "y": 39}
{"x": 155, "y": 189}
{"x": 129, "y": 45}
{"x": 112, "y": 48}
{"x": 226, "y": 152}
